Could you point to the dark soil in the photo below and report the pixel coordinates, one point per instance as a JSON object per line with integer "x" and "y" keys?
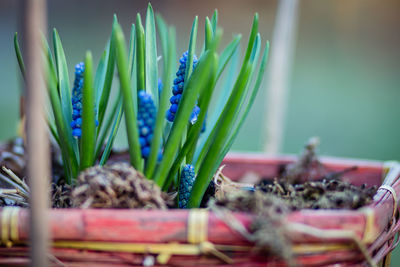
{"x": 306, "y": 184}
{"x": 325, "y": 194}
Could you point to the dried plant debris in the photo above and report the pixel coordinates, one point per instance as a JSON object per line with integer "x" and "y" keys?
{"x": 12, "y": 156}
{"x": 307, "y": 167}
{"x": 267, "y": 230}
{"x": 306, "y": 184}
{"x": 116, "y": 186}
{"x": 325, "y": 194}
{"x": 61, "y": 196}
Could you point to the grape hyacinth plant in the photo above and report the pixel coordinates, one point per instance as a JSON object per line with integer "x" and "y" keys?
{"x": 165, "y": 128}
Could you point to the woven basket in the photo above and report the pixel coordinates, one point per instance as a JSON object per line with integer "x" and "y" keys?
{"x": 202, "y": 238}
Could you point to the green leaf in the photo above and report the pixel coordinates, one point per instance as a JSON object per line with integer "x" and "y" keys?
{"x": 230, "y": 52}
{"x": 217, "y": 139}
{"x": 223, "y": 96}
{"x": 214, "y": 21}
{"x": 133, "y": 63}
{"x": 19, "y": 56}
{"x": 140, "y": 54}
{"x": 88, "y": 140}
{"x": 115, "y": 116}
{"x": 195, "y": 130}
{"x": 129, "y": 109}
{"x": 100, "y": 75}
{"x": 237, "y": 91}
{"x": 49, "y": 59}
{"x": 67, "y": 142}
{"x": 113, "y": 134}
{"x": 107, "y": 124}
{"x": 63, "y": 78}
{"x": 192, "y": 49}
{"x": 195, "y": 84}
{"x": 222, "y": 129}
{"x": 168, "y": 51}
{"x": 67, "y": 151}
{"x": 151, "y": 55}
{"x": 227, "y": 54}
{"x": 109, "y": 74}
{"x": 260, "y": 76}
{"x": 53, "y": 131}
{"x": 209, "y": 34}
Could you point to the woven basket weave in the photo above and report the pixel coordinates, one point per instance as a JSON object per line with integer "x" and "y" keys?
{"x": 200, "y": 237}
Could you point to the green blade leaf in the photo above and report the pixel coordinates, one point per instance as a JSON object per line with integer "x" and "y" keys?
{"x": 222, "y": 98}
{"x": 214, "y": 21}
{"x": 63, "y": 78}
{"x": 53, "y": 131}
{"x": 237, "y": 91}
{"x": 256, "y": 87}
{"x": 151, "y": 55}
{"x": 222, "y": 129}
{"x": 19, "y": 55}
{"x": 140, "y": 54}
{"x": 217, "y": 139}
{"x": 109, "y": 74}
{"x": 168, "y": 51}
{"x": 117, "y": 110}
{"x": 195, "y": 84}
{"x": 227, "y": 54}
{"x": 195, "y": 130}
{"x": 209, "y": 34}
{"x": 133, "y": 63}
{"x": 66, "y": 145}
{"x": 100, "y": 75}
{"x": 113, "y": 134}
{"x": 129, "y": 109}
{"x": 107, "y": 124}
{"x": 192, "y": 49}
{"x": 88, "y": 141}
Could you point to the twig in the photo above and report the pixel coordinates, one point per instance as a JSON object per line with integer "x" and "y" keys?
{"x": 16, "y": 178}
{"x": 12, "y": 183}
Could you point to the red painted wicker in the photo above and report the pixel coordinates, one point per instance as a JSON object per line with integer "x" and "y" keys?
{"x": 128, "y": 237}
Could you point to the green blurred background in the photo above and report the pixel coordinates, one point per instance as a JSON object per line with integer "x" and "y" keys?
{"x": 344, "y": 85}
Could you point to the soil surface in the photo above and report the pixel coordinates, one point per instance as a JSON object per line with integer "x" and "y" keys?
{"x": 306, "y": 184}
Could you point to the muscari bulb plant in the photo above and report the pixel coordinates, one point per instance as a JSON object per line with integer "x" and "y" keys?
{"x": 165, "y": 119}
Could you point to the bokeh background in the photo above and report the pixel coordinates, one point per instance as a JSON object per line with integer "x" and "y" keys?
{"x": 344, "y": 85}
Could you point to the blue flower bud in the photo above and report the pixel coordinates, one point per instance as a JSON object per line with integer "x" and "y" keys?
{"x": 77, "y": 132}
{"x": 177, "y": 89}
{"x": 186, "y": 185}
{"x": 147, "y": 113}
{"x": 76, "y": 100}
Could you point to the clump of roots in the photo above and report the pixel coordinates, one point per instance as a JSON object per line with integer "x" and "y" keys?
{"x": 268, "y": 230}
{"x": 61, "y": 196}
{"x": 116, "y": 186}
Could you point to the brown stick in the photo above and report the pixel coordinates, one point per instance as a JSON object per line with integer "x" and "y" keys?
{"x": 37, "y": 142}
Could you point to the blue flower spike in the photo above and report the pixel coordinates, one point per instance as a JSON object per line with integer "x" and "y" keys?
{"x": 146, "y": 121}
{"x": 76, "y": 99}
{"x": 177, "y": 90}
{"x": 186, "y": 183}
